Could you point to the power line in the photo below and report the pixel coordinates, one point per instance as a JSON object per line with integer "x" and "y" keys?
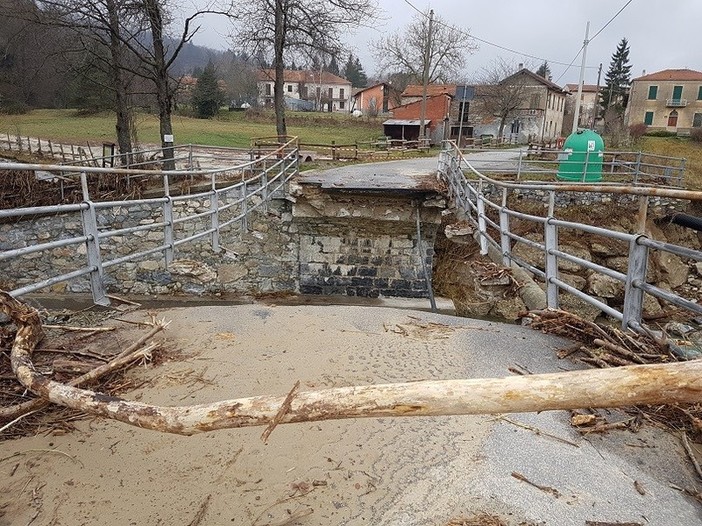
{"x": 591, "y": 39}
{"x": 499, "y": 46}
{"x": 610, "y": 20}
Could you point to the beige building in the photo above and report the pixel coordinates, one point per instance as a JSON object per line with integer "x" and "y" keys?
{"x": 588, "y": 106}
{"x": 307, "y": 90}
{"x": 668, "y": 100}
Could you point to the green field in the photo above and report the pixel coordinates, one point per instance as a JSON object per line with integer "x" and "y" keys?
{"x": 678, "y": 147}
{"x": 228, "y": 129}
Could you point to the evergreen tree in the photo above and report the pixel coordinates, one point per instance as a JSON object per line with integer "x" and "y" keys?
{"x": 544, "y": 70}
{"x": 353, "y": 71}
{"x": 333, "y": 66}
{"x": 617, "y": 80}
{"x": 207, "y": 95}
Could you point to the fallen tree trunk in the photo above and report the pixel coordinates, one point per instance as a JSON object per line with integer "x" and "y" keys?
{"x": 613, "y": 387}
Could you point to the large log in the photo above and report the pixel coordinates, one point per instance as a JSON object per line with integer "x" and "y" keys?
{"x": 613, "y": 387}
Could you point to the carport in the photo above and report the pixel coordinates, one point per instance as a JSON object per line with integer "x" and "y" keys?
{"x": 403, "y": 129}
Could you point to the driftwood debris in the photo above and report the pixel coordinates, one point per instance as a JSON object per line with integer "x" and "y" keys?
{"x": 128, "y": 355}
{"x": 612, "y": 387}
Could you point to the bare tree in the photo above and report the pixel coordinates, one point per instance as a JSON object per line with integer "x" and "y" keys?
{"x": 500, "y": 93}
{"x": 405, "y": 50}
{"x": 284, "y": 28}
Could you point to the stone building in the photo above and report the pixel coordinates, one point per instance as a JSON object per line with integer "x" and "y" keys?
{"x": 588, "y": 106}
{"x": 668, "y": 100}
{"x": 321, "y": 90}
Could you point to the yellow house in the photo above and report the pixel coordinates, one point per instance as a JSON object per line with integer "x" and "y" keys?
{"x": 669, "y": 100}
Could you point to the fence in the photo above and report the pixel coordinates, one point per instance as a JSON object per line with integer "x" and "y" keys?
{"x": 622, "y": 167}
{"x": 222, "y": 204}
{"x": 492, "y": 222}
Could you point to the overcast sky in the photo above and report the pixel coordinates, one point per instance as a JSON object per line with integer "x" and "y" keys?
{"x": 661, "y": 34}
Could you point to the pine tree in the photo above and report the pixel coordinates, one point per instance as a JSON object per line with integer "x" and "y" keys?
{"x": 333, "y": 66}
{"x": 353, "y": 72}
{"x": 617, "y": 80}
{"x": 207, "y": 95}
{"x": 544, "y": 70}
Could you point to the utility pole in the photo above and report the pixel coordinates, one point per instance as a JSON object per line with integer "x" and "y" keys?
{"x": 576, "y": 117}
{"x": 596, "y": 109}
{"x": 425, "y": 79}
{"x": 462, "y": 114}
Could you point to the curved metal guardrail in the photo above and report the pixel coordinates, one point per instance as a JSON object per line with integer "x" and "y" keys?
{"x": 492, "y": 221}
{"x": 260, "y": 180}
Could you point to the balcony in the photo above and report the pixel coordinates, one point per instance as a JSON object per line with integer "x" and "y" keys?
{"x": 676, "y": 103}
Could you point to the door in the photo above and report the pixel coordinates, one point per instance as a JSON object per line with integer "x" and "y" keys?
{"x": 673, "y": 119}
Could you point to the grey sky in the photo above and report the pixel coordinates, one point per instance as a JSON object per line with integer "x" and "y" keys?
{"x": 661, "y": 34}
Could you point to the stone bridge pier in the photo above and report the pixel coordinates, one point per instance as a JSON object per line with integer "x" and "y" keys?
{"x": 366, "y": 234}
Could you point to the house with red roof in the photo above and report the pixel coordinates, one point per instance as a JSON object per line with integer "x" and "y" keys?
{"x": 669, "y": 100}
{"x": 306, "y": 90}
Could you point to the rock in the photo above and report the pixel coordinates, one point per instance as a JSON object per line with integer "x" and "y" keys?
{"x": 577, "y": 306}
{"x": 604, "y": 286}
{"x": 573, "y": 250}
{"x": 531, "y": 255}
{"x": 698, "y": 268}
{"x": 606, "y": 251}
{"x": 194, "y": 269}
{"x": 651, "y": 307}
{"x": 577, "y": 282}
{"x": 672, "y": 269}
{"x": 461, "y": 232}
{"x": 230, "y": 273}
{"x": 149, "y": 265}
{"x": 508, "y": 309}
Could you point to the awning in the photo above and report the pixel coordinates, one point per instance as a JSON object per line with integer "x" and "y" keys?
{"x": 405, "y": 122}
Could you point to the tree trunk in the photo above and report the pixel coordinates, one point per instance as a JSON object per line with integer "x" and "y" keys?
{"x": 503, "y": 123}
{"x": 164, "y": 96}
{"x": 122, "y": 109}
{"x": 279, "y": 66}
{"x": 614, "y": 387}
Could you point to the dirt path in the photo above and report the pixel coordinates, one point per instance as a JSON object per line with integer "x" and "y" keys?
{"x": 418, "y": 471}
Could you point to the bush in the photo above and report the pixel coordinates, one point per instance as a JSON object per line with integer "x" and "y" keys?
{"x": 696, "y": 134}
{"x": 636, "y": 131}
{"x": 661, "y": 133}
{"x": 13, "y": 107}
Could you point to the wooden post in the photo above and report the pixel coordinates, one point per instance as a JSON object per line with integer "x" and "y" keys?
{"x": 63, "y": 155}
{"x": 29, "y": 145}
{"x": 73, "y": 154}
{"x": 51, "y": 149}
{"x": 39, "y": 147}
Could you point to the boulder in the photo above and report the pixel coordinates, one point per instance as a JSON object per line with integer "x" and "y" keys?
{"x": 672, "y": 269}
{"x": 193, "y": 269}
{"x": 573, "y": 250}
{"x": 604, "y": 286}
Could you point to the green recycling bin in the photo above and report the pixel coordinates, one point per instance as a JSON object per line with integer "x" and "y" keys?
{"x": 581, "y": 158}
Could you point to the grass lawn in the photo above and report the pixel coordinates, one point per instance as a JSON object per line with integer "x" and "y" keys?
{"x": 228, "y": 129}
{"x": 677, "y": 147}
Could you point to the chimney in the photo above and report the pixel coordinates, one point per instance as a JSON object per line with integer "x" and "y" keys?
{"x": 520, "y": 66}
{"x": 643, "y": 72}
{"x": 550, "y": 78}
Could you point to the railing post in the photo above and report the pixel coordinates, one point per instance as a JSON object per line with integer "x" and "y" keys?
{"x": 168, "y": 222}
{"x": 681, "y": 171}
{"x": 244, "y": 209}
{"x": 638, "y": 168}
{"x": 587, "y": 161}
{"x": 90, "y": 231}
{"x": 551, "y": 244}
{"x": 505, "y": 241}
{"x": 482, "y": 225}
{"x": 635, "y": 276}
{"x": 214, "y": 216}
{"x": 519, "y": 164}
{"x": 264, "y": 184}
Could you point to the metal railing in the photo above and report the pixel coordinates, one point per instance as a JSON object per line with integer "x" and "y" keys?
{"x": 536, "y": 163}
{"x": 228, "y": 202}
{"x": 491, "y": 218}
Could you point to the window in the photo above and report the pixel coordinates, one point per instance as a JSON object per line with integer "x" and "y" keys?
{"x": 699, "y": 93}
{"x": 463, "y": 111}
{"x": 648, "y": 118}
{"x": 341, "y": 93}
{"x": 341, "y": 104}
{"x": 697, "y": 120}
{"x": 268, "y": 89}
{"x": 330, "y": 93}
{"x": 652, "y": 92}
{"x": 677, "y": 93}
{"x": 673, "y": 119}
{"x": 289, "y": 88}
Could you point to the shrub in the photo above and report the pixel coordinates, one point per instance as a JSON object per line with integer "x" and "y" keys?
{"x": 661, "y": 133}
{"x": 636, "y": 131}
{"x": 696, "y": 134}
{"x": 13, "y": 107}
